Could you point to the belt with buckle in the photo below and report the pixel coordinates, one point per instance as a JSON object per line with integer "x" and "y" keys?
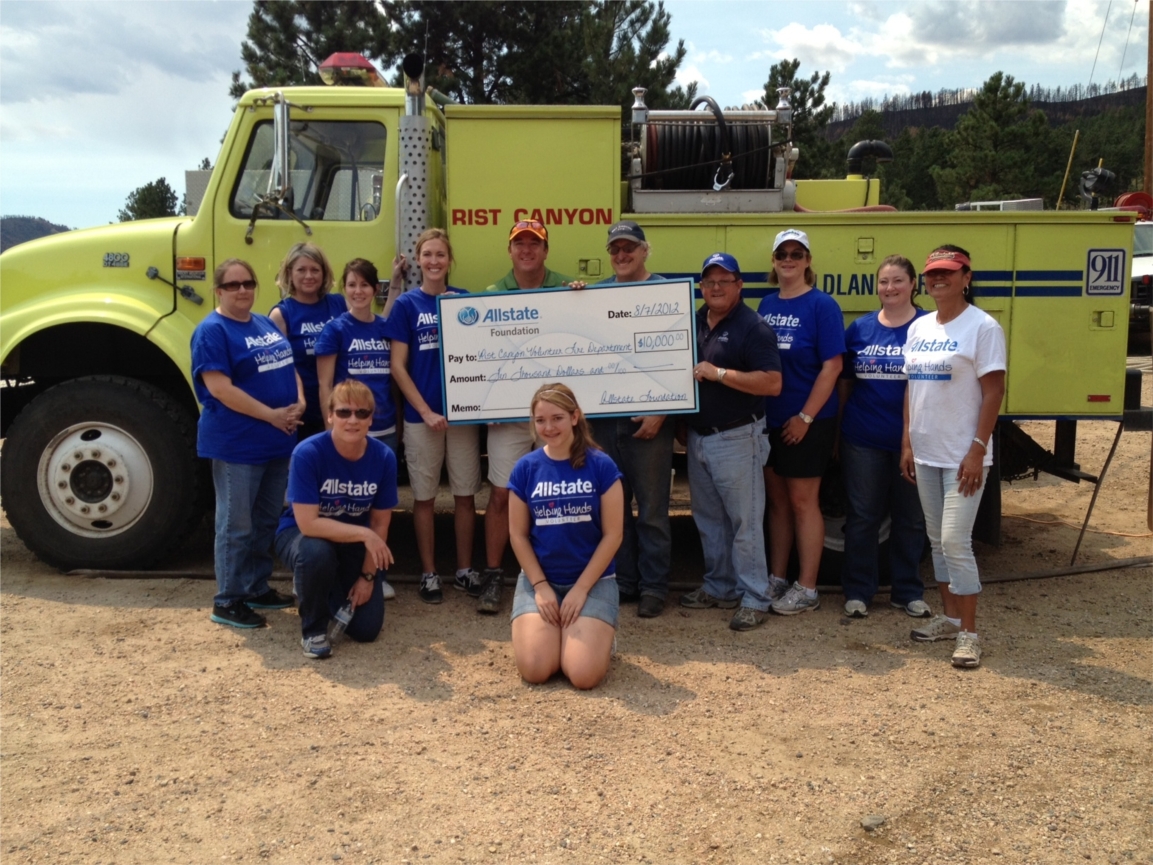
{"x": 725, "y": 427}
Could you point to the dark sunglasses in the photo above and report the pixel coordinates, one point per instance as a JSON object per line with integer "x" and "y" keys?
{"x": 346, "y": 413}
{"x": 247, "y": 285}
{"x": 795, "y": 255}
{"x": 529, "y": 223}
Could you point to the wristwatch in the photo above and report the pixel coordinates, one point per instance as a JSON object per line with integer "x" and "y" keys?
{"x": 808, "y": 419}
{"x": 367, "y": 576}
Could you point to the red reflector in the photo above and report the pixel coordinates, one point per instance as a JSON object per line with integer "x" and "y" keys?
{"x": 1100, "y": 397}
{"x": 1122, "y": 219}
{"x": 190, "y": 264}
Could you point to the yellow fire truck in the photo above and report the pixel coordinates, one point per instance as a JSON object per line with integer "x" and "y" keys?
{"x": 99, "y": 465}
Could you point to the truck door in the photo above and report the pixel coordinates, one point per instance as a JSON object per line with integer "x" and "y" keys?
{"x": 342, "y": 177}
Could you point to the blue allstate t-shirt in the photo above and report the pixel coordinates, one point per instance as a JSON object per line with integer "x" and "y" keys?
{"x": 346, "y": 490}
{"x": 564, "y": 507}
{"x": 810, "y": 330}
{"x": 258, "y": 359}
{"x": 362, "y": 353}
{"x": 414, "y": 321}
{"x": 874, "y": 413}
{"x": 304, "y": 323}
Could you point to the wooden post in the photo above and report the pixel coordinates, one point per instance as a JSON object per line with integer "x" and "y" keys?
{"x": 1149, "y": 109}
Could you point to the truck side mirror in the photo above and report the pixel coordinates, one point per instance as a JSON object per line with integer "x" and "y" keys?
{"x": 280, "y": 178}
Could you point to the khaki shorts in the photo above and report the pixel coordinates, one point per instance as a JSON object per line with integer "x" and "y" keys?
{"x": 507, "y": 443}
{"x": 426, "y": 451}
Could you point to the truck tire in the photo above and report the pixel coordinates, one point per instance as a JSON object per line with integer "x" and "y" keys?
{"x": 101, "y": 472}
{"x": 833, "y": 555}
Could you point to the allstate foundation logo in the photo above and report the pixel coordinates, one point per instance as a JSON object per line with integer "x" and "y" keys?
{"x": 468, "y": 316}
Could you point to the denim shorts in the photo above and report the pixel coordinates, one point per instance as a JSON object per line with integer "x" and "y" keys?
{"x": 603, "y": 601}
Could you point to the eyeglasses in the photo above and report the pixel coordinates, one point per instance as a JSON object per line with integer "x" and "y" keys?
{"x": 718, "y": 283}
{"x": 627, "y": 248}
{"x": 529, "y": 223}
{"x": 346, "y": 413}
{"x": 795, "y": 255}
{"x": 247, "y": 285}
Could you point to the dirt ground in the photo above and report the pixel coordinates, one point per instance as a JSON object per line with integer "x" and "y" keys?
{"x": 133, "y": 730}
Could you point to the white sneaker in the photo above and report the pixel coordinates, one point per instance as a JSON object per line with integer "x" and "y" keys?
{"x": 389, "y": 591}
{"x": 937, "y": 628}
{"x": 856, "y": 609}
{"x": 968, "y": 651}
{"x": 777, "y": 588}
{"x": 918, "y": 609}
{"x": 795, "y": 600}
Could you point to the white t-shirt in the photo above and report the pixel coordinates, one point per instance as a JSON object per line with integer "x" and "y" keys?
{"x": 943, "y": 363}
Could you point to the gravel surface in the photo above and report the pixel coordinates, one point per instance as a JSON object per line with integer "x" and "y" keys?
{"x": 133, "y": 730}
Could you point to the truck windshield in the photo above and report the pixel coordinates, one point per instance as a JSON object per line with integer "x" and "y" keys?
{"x": 332, "y": 167}
{"x": 1143, "y": 239}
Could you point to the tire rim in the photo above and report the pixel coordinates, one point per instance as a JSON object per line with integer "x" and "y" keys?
{"x": 95, "y": 480}
{"x": 835, "y": 532}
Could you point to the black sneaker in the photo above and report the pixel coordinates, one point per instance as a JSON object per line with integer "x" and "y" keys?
{"x": 429, "y": 590}
{"x": 493, "y": 584}
{"x": 470, "y": 581}
{"x": 237, "y": 614}
{"x": 271, "y": 600}
{"x": 650, "y": 606}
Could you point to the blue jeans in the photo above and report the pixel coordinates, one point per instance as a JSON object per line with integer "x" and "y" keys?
{"x": 390, "y": 439}
{"x": 645, "y": 555}
{"x": 949, "y": 518}
{"x": 323, "y": 573}
{"x": 874, "y": 487}
{"x": 727, "y": 485}
{"x": 249, "y": 499}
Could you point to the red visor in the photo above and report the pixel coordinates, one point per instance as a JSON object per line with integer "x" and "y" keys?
{"x": 944, "y": 259}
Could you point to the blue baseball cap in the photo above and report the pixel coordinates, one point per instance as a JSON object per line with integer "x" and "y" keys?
{"x": 722, "y": 259}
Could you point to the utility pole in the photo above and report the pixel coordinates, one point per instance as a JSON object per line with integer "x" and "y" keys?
{"x": 1149, "y": 112}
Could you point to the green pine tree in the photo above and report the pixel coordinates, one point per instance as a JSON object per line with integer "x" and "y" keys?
{"x": 149, "y": 201}
{"x": 479, "y": 51}
{"x": 993, "y": 151}
{"x": 288, "y": 40}
{"x": 810, "y": 117}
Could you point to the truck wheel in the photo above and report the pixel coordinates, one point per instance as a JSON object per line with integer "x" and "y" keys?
{"x": 833, "y": 555}
{"x": 101, "y": 472}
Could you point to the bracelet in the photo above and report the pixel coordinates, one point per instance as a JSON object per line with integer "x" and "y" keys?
{"x": 721, "y": 373}
{"x": 538, "y": 583}
{"x": 984, "y": 447}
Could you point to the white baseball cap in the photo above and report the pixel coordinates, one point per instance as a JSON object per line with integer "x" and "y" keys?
{"x": 794, "y": 234}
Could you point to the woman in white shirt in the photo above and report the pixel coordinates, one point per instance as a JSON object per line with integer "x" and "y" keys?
{"x": 955, "y": 362}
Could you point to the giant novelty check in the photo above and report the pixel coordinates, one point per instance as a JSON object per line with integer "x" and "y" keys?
{"x": 624, "y": 349}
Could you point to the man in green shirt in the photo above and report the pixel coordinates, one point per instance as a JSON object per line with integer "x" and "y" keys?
{"x": 528, "y": 249}
{"x": 508, "y": 442}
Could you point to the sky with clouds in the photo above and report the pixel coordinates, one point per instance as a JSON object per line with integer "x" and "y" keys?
{"x": 98, "y": 98}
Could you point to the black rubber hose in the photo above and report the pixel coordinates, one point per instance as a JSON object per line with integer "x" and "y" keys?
{"x": 717, "y": 113}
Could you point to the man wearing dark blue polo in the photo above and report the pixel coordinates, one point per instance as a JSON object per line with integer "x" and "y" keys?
{"x": 642, "y": 448}
{"x": 738, "y": 367}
